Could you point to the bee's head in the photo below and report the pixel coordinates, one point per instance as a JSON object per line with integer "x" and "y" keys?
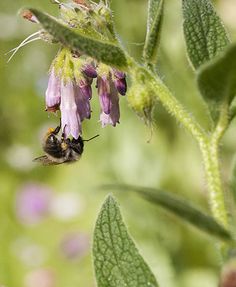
{"x": 51, "y": 139}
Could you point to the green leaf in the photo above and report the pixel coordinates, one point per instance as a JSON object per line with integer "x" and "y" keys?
{"x": 105, "y": 52}
{"x": 217, "y": 78}
{"x": 116, "y": 258}
{"x": 181, "y": 208}
{"x": 155, "y": 13}
{"x": 204, "y": 32}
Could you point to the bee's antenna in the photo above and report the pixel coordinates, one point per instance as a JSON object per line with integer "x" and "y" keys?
{"x": 91, "y": 138}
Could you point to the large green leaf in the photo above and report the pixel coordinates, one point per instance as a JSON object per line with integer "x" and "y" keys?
{"x": 105, "y": 52}
{"x": 204, "y": 32}
{"x": 217, "y": 79}
{"x": 179, "y": 207}
{"x": 155, "y": 12}
{"x": 116, "y": 258}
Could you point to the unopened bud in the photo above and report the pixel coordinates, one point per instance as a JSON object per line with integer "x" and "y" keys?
{"x": 89, "y": 70}
{"x": 119, "y": 79}
{"x": 28, "y": 15}
{"x": 141, "y": 100}
{"x": 81, "y": 2}
{"x": 121, "y": 86}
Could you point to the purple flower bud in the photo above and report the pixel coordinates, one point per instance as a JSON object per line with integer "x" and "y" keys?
{"x": 75, "y": 245}
{"x": 115, "y": 112}
{"x": 89, "y": 70}
{"x": 70, "y": 118}
{"x": 121, "y": 86}
{"x": 32, "y": 203}
{"x": 53, "y": 93}
{"x": 104, "y": 92}
{"x": 28, "y": 15}
{"x": 86, "y": 89}
{"x": 120, "y": 81}
{"x": 82, "y": 2}
{"x": 82, "y": 102}
{"x": 109, "y": 100}
{"x": 118, "y": 74}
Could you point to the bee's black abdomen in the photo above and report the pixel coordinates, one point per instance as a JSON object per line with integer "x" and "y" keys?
{"x": 53, "y": 147}
{"x": 61, "y": 150}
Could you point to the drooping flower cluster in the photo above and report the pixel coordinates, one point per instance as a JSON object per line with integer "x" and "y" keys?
{"x": 69, "y": 90}
{"x": 72, "y": 73}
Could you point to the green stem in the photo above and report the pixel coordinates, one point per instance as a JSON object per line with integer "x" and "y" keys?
{"x": 210, "y": 153}
{"x": 211, "y": 160}
{"x": 209, "y": 144}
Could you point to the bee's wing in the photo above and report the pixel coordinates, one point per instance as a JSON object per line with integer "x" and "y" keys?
{"x": 44, "y": 160}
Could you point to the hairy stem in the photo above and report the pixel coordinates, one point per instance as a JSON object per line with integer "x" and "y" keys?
{"x": 170, "y": 103}
{"x": 210, "y": 152}
{"x": 209, "y": 144}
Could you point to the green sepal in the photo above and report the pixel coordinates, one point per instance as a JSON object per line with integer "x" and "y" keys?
{"x": 117, "y": 261}
{"x": 103, "y": 51}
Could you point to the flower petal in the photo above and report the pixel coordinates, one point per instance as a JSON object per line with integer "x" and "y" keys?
{"x": 118, "y": 74}
{"x": 103, "y": 84}
{"x": 114, "y": 115}
{"x": 83, "y": 103}
{"x": 86, "y": 89}
{"x": 121, "y": 86}
{"x": 53, "y": 92}
{"x": 89, "y": 70}
{"x": 70, "y": 119}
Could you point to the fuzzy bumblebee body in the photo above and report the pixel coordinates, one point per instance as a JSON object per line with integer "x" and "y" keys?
{"x": 58, "y": 151}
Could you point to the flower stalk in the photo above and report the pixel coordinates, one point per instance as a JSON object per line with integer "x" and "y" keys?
{"x": 208, "y": 143}
{"x": 210, "y": 153}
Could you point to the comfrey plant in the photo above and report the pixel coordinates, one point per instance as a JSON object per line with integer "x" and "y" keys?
{"x": 90, "y": 48}
{"x": 72, "y": 71}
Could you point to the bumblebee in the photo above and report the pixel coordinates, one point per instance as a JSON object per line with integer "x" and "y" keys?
{"x": 63, "y": 150}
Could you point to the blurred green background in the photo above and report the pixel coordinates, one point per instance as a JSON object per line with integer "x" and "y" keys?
{"x": 54, "y": 249}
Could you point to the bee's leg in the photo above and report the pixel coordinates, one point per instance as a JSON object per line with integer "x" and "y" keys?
{"x": 57, "y": 129}
{"x": 63, "y": 136}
